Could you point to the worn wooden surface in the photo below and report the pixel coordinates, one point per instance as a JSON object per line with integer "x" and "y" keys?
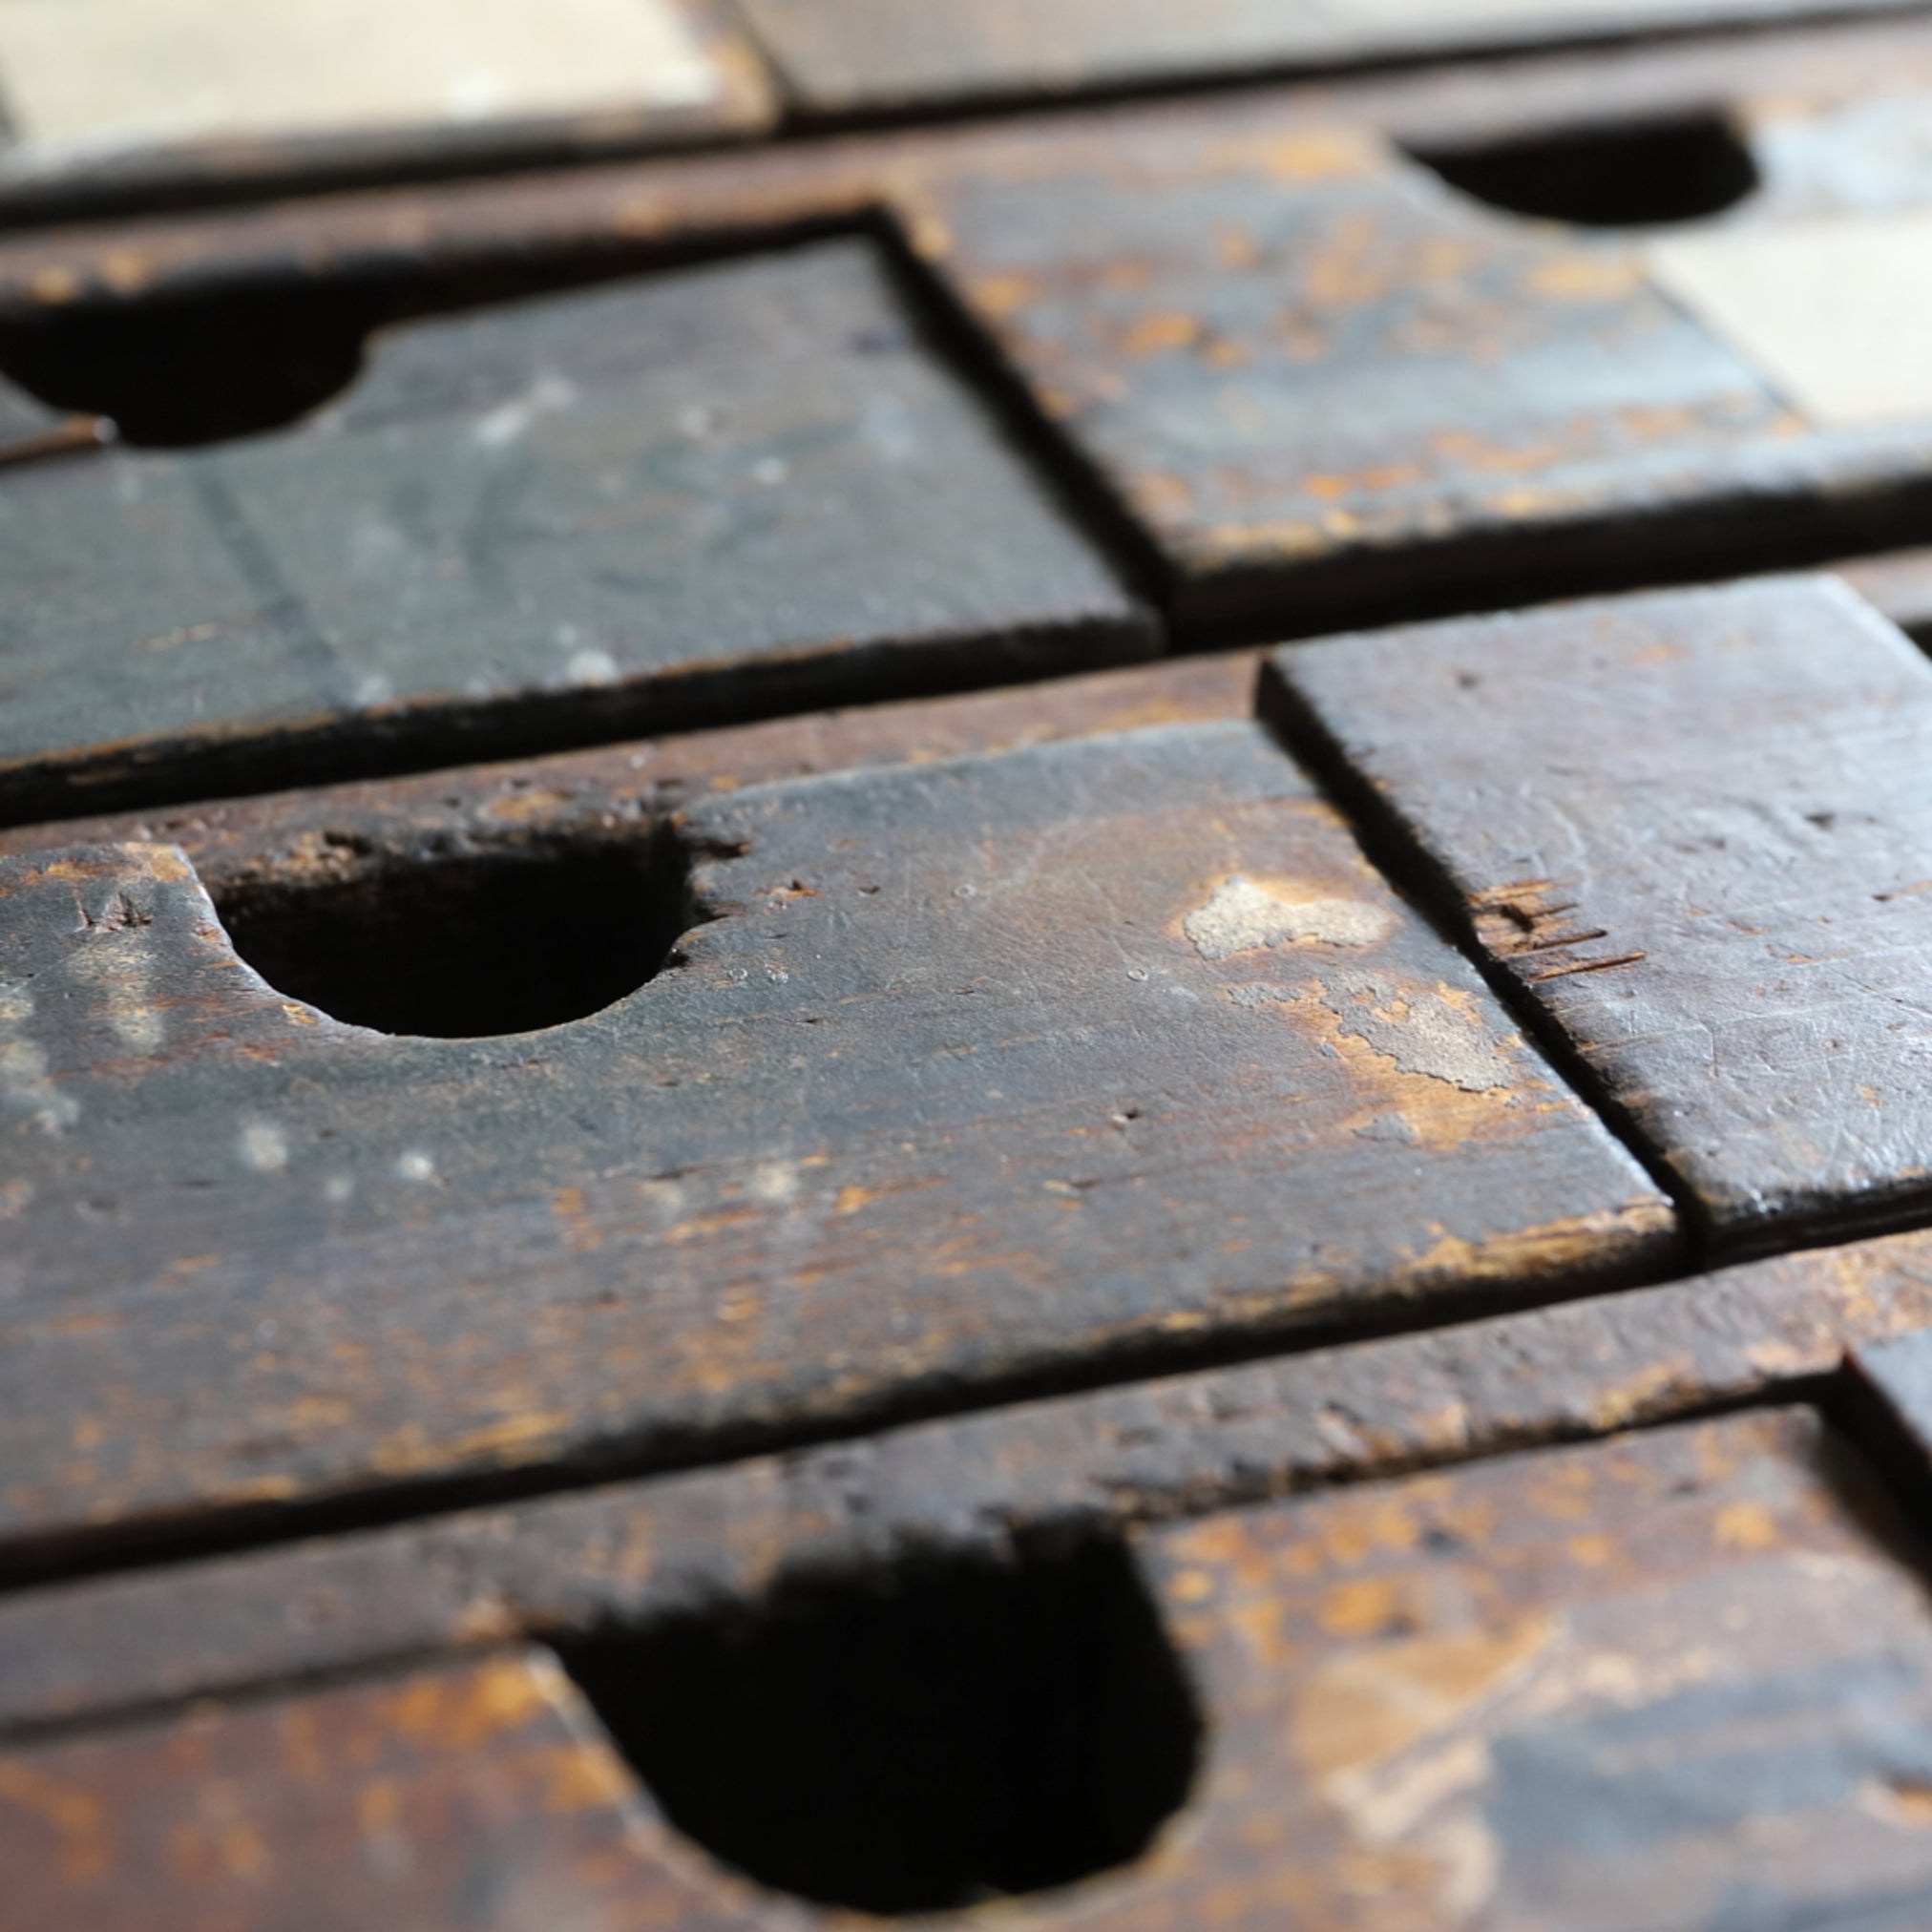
{"x": 462, "y": 1797}
{"x": 846, "y": 57}
{"x": 188, "y": 92}
{"x": 1321, "y": 378}
{"x": 875, "y": 1137}
{"x": 1675, "y": 1679}
{"x": 714, "y": 494}
{"x": 339, "y": 834}
{"x": 1019, "y": 1047}
{"x": 1690, "y": 827}
{"x": 1300, "y": 357}
{"x": 108, "y": 97}
{"x": 719, "y": 1541}
{"x": 1834, "y": 109}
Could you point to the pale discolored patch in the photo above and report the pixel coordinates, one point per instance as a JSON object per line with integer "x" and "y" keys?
{"x": 1246, "y": 915}
{"x": 1421, "y": 1031}
{"x": 91, "y": 78}
{"x": 1832, "y": 312}
{"x": 262, "y": 1146}
{"x": 1363, "y": 1708}
{"x": 26, "y": 1083}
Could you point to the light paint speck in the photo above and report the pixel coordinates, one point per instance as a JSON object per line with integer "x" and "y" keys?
{"x": 263, "y": 1146}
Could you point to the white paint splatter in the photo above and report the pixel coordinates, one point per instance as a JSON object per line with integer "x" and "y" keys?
{"x": 263, "y": 1146}
{"x": 510, "y": 421}
{"x": 416, "y": 1165}
{"x": 1244, "y": 916}
{"x": 592, "y": 667}
{"x": 776, "y": 1182}
{"x": 1420, "y": 1029}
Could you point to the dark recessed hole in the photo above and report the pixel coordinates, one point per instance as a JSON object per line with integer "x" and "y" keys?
{"x": 171, "y": 374}
{"x": 1639, "y": 177}
{"x": 180, "y": 370}
{"x": 472, "y": 945}
{"x": 955, "y": 1733}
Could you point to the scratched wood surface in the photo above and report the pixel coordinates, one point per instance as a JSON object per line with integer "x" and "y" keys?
{"x": 1674, "y": 1679}
{"x": 717, "y": 492}
{"x": 1689, "y": 827}
{"x": 840, "y": 56}
{"x": 185, "y": 93}
{"x": 836, "y": 1156}
{"x": 724, "y": 1541}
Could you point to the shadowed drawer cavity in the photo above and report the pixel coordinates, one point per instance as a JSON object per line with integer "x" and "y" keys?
{"x": 1637, "y": 175}
{"x": 720, "y": 492}
{"x": 465, "y": 944}
{"x": 1672, "y": 1680}
{"x": 975, "y": 1076}
{"x": 1694, "y": 828}
{"x": 916, "y": 1741}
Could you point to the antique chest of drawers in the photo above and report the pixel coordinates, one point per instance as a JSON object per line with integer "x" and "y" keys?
{"x": 969, "y": 963}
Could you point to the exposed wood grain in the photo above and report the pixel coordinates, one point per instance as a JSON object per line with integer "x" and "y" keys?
{"x": 726, "y": 1539}
{"x": 1691, "y": 827}
{"x": 988, "y": 1068}
{"x": 715, "y": 494}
